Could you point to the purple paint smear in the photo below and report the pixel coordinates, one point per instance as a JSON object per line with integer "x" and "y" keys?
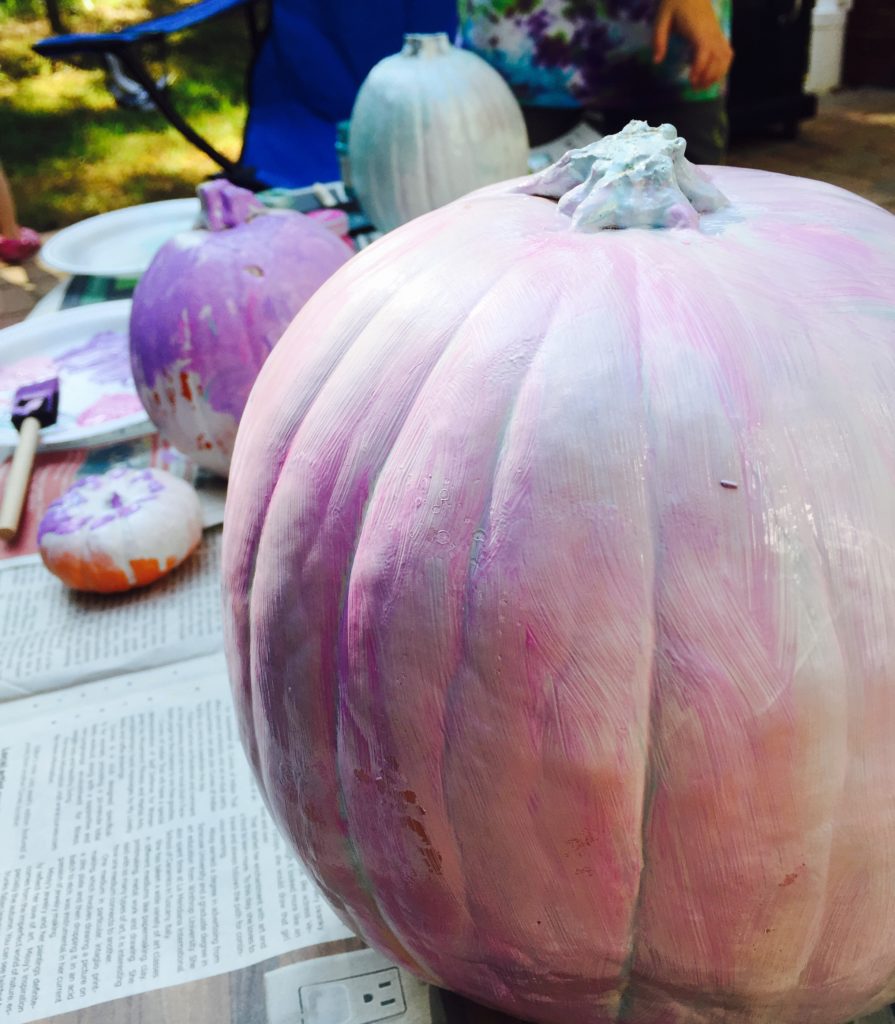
{"x": 75, "y": 510}
{"x": 105, "y": 357}
{"x": 216, "y": 309}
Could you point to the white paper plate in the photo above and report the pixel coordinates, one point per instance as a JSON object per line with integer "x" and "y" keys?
{"x": 120, "y": 243}
{"x": 87, "y": 348}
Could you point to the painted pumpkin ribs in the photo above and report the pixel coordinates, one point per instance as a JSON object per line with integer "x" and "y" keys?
{"x": 480, "y": 550}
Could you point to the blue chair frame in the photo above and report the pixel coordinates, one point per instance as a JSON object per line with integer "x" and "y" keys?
{"x": 305, "y": 69}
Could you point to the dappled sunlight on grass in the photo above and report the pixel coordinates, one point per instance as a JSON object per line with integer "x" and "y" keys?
{"x": 70, "y": 152}
{"x": 58, "y": 92}
{"x": 98, "y": 167}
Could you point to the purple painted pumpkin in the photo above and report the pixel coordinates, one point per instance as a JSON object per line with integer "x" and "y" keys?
{"x": 211, "y": 306}
{"x": 561, "y": 576}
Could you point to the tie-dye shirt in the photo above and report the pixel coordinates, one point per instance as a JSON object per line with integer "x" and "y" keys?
{"x": 560, "y": 53}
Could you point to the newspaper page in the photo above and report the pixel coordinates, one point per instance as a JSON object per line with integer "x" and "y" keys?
{"x": 51, "y": 637}
{"x": 136, "y": 852}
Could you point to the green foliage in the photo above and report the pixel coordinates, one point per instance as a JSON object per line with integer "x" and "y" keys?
{"x": 70, "y": 152}
{"x": 31, "y": 8}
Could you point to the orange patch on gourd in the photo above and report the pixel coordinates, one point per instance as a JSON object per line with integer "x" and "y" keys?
{"x": 146, "y": 570}
{"x": 100, "y": 574}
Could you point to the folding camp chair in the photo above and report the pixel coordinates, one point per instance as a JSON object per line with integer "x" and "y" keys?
{"x": 307, "y": 65}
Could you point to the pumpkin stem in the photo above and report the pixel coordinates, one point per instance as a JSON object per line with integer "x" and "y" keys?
{"x": 225, "y": 205}
{"x": 637, "y": 178}
{"x": 426, "y": 44}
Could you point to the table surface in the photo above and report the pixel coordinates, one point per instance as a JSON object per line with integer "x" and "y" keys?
{"x": 238, "y": 998}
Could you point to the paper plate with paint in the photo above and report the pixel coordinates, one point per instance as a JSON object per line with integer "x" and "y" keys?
{"x": 87, "y": 349}
{"x": 120, "y": 243}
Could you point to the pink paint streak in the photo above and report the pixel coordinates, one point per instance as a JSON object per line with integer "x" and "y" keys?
{"x": 110, "y": 408}
{"x": 25, "y": 371}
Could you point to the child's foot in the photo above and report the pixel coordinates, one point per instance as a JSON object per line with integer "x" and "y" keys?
{"x": 17, "y": 250}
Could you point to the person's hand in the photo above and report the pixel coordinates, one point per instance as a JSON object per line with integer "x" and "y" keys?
{"x": 696, "y": 21}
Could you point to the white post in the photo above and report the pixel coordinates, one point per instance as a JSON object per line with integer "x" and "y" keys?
{"x": 827, "y": 39}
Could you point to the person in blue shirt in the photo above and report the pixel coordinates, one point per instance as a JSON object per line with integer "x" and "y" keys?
{"x": 608, "y": 61}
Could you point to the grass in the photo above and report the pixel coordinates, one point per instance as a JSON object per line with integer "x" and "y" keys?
{"x": 70, "y": 152}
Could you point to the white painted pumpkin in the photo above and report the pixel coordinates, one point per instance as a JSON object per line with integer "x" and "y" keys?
{"x": 120, "y": 530}
{"x": 430, "y": 124}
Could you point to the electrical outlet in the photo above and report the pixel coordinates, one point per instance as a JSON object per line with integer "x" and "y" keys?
{"x": 360, "y": 999}
{"x": 361, "y": 987}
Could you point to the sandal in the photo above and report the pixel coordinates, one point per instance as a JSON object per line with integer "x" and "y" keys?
{"x": 17, "y": 250}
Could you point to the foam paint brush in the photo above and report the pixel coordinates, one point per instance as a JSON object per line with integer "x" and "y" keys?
{"x": 34, "y": 406}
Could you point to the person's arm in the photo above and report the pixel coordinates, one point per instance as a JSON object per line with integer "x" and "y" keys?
{"x": 16, "y": 243}
{"x": 9, "y": 227}
{"x": 697, "y": 22}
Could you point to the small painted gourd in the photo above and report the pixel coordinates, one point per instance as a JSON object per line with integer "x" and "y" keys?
{"x": 119, "y": 530}
{"x": 560, "y": 576}
{"x": 430, "y": 124}
{"x": 211, "y": 306}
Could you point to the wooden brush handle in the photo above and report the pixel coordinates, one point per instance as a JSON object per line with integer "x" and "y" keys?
{"x": 17, "y": 478}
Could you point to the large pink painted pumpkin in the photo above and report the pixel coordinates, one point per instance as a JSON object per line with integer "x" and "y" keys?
{"x": 560, "y": 565}
{"x": 211, "y": 306}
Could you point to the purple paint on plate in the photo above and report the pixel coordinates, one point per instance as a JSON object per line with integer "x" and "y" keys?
{"x": 104, "y": 357}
